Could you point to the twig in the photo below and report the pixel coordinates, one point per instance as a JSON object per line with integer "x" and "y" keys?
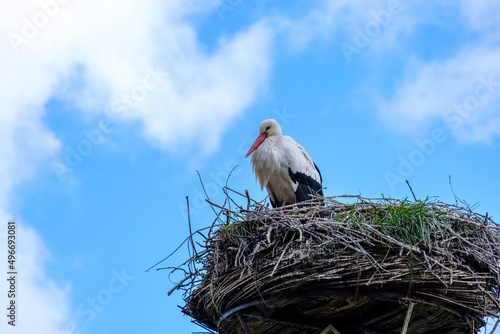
{"x": 414, "y": 197}
{"x": 453, "y": 191}
{"x": 190, "y": 230}
{"x": 248, "y": 198}
{"x": 238, "y": 193}
{"x": 166, "y": 257}
{"x": 213, "y": 224}
{"x": 268, "y": 234}
{"x": 204, "y": 190}
{"x": 223, "y": 208}
{"x": 495, "y": 327}
{"x": 281, "y": 257}
{"x": 229, "y": 199}
{"x": 391, "y": 239}
{"x": 407, "y": 319}
{"x": 182, "y": 281}
{"x": 243, "y": 323}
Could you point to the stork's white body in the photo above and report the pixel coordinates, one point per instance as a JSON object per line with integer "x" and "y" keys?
{"x": 283, "y": 167}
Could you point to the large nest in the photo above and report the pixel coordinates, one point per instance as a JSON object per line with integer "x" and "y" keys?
{"x": 362, "y": 265}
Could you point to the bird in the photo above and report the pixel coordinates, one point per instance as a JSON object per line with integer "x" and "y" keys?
{"x": 283, "y": 167}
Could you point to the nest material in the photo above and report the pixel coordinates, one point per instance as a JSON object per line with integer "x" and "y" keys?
{"x": 355, "y": 266}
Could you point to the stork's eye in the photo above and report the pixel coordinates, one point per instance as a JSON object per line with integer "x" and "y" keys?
{"x": 268, "y": 127}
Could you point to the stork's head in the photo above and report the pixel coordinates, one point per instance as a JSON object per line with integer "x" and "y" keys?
{"x": 267, "y": 128}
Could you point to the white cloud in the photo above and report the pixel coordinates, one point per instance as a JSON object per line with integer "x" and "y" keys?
{"x": 439, "y": 90}
{"x": 200, "y": 94}
{"x": 113, "y": 42}
{"x": 42, "y": 306}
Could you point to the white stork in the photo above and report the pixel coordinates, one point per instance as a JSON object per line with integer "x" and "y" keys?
{"x": 283, "y": 166}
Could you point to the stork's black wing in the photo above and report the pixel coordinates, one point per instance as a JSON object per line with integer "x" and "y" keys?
{"x": 306, "y": 185}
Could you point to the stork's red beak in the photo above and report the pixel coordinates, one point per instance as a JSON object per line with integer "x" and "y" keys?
{"x": 257, "y": 143}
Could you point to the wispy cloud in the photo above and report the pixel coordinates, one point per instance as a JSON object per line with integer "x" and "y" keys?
{"x": 439, "y": 90}
{"x": 429, "y": 88}
{"x": 340, "y": 22}
{"x": 482, "y": 15}
{"x": 460, "y": 90}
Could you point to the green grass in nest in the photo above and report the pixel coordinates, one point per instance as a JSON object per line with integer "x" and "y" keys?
{"x": 413, "y": 223}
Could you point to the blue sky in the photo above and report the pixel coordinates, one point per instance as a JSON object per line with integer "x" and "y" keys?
{"x": 110, "y": 108}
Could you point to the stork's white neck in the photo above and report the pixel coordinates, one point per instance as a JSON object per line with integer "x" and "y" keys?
{"x": 272, "y": 140}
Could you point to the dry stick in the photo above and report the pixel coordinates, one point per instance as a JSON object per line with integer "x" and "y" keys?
{"x": 408, "y": 183}
{"x": 228, "y": 198}
{"x": 333, "y": 329}
{"x": 391, "y": 239}
{"x": 268, "y": 234}
{"x": 496, "y": 324}
{"x": 213, "y": 224}
{"x": 281, "y": 257}
{"x": 175, "y": 250}
{"x": 182, "y": 281}
{"x": 243, "y": 324}
{"x": 203, "y": 187}
{"x": 407, "y": 319}
{"x": 223, "y": 208}
{"x": 453, "y": 191}
{"x": 248, "y": 198}
{"x": 166, "y": 257}
{"x": 300, "y": 235}
{"x": 236, "y": 192}
{"x": 359, "y": 276}
{"x": 190, "y": 231}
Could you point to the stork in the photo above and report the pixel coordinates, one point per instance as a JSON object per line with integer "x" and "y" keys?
{"x": 283, "y": 166}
